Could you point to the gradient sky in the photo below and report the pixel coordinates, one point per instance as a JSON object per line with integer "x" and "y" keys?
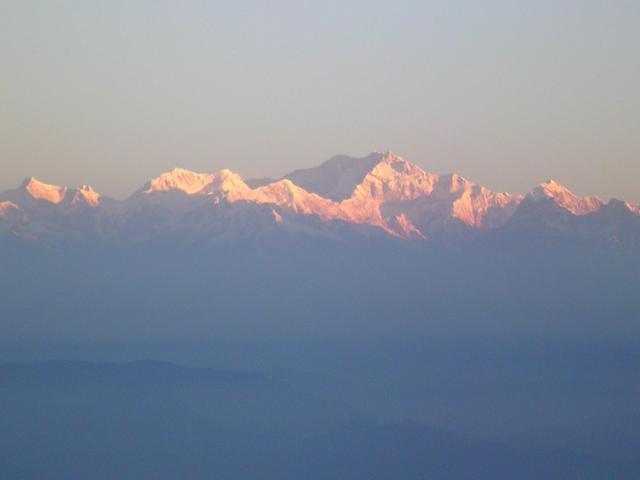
{"x": 506, "y": 93}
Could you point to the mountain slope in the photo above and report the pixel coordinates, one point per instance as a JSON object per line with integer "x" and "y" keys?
{"x": 386, "y": 190}
{"x": 380, "y": 192}
{"x": 566, "y": 199}
{"x": 336, "y": 178}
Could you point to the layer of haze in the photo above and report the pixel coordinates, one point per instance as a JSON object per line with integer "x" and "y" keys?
{"x": 505, "y": 93}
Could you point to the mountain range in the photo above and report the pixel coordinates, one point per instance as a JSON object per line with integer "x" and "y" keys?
{"x": 381, "y": 195}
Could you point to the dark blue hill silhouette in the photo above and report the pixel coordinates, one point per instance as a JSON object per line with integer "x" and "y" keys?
{"x": 616, "y": 437}
{"x": 144, "y": 420}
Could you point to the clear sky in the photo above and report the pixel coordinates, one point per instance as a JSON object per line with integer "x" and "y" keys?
{"x": 508, "y": 94}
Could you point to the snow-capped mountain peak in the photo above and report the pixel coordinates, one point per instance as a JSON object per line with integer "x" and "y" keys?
{"x": 394, "y": 179}
{"x": 566, "y": 199}
{"x": 84, "y": 194}
{"x": 43, "y": 191}
{"x": 452, "y": 183}
{"x": 343, "y": 177}
{"x": 289, "y": 196}
{"x": 193, "y": 183}
{"x": 337, "y": 177}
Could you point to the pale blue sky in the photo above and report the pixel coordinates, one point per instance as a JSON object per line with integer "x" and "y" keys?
{"x": 506, "y": 93}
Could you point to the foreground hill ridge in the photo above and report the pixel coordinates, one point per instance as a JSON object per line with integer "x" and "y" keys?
{"x": 380, "y": 194}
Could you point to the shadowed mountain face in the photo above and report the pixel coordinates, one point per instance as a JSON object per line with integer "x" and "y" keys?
{"x": 380, "y": 195}
{"x": 337, "y": 178}
{"x": 155, "y": 420}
